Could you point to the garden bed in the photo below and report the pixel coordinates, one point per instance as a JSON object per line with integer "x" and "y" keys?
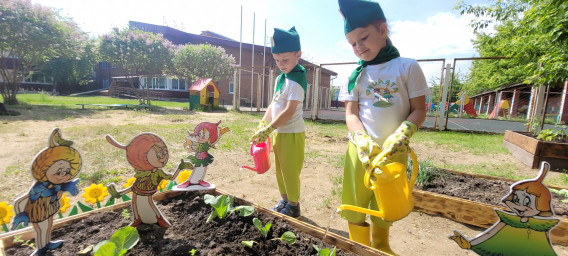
{"x": 471, "y": 199}
{"x": 188, "y": 213}
{"x": 531, "y": 151}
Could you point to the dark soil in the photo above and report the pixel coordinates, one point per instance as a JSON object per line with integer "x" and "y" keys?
{"x": 187, "y": 214}
{"x": 482, "y": 190}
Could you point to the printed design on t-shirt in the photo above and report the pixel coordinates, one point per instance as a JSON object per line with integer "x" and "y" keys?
{"x": 383, "y": 91}
{"x": 276, "y": 95}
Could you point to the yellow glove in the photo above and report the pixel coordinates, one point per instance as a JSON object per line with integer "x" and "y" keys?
{"x": 261, "y": 124}
{"x": 398, "y": 143}
{"x": 461, "y": 240}
{"x": 262, "y": 134}
{"x": 367, "y": 148}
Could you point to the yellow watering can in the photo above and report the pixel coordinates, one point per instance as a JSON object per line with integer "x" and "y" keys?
{"x": 393, "y": 190}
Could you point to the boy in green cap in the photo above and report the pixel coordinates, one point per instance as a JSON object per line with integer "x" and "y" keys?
{"x": 285, "y": 115}
{"x": 384, "y": 105}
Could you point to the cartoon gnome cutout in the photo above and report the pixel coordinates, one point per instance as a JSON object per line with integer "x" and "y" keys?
{"x": 523, "y": 231}
{"x": 204, "y": 137}
{"x": 53, "y": 168}
{"x": 148, "y": 154}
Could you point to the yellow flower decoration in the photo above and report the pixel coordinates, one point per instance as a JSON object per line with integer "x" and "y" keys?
{"x": 64, "y": 203}
{"x": 129, "y": 182}
{"x": 95, "y": 193}
{"x": 6, "y": 212}
{"x": 183, "y": 176}
{"x": 163, "y": 184}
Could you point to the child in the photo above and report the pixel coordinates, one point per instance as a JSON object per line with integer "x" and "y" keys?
{"x": 285, "y": 116}
{"x": 383, "y": 93}
{"x": 53, "y": 168}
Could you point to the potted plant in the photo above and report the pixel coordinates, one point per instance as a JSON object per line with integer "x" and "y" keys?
{"x": 532, "y": 147}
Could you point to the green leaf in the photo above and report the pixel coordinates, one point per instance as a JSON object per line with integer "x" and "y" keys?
{"x": 248, "y": 243}
{"x": 263, "y": 230}
{"x": 123, "y": 252}
{"x": 221, "y": 204}
{"x": 110, "y": 202}
{"x": 171, "y": 185}
{"x": 107, "y": 249}
{"x": 83, "y": 207}
{"x": 125, "y": 198}
{"x": 244, "y": 210}
{"x": 125, "y": 237}
{"x": 333, "y": 251}
{"x": 99, "y": 245}
{"x": 289, "y": 237}
{"x": 4, "y": 227}
{"x": 212, "y": 216}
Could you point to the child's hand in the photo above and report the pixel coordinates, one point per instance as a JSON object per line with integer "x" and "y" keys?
{"x": 398, "y": 142}
{"x": 262, "y": 134}
{"x": 367, "y": 148}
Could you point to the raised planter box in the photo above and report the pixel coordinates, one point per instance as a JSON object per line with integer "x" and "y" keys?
{"x": 531, "y": 151}
{"x": 6, "y": 240}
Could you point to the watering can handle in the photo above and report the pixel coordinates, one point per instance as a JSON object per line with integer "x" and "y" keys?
{"x": 254, "y": 143}
{"x": 376, "y": 161}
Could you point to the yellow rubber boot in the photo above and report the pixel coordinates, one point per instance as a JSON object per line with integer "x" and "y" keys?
{"x": 380, "y": 238}
{"x": 360, "y": 234}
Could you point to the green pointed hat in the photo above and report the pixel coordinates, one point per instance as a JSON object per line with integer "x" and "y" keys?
{"x": 359, "y": 13}
{"x": 285, "y": 41}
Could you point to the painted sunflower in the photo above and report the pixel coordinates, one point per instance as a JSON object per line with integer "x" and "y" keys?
{"x": 95, "y": 193}
{"x": 6, "y": 212}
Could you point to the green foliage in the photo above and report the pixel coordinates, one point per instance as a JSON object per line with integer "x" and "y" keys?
{"x": 263, "y": 230}
{"x": 325, "y": 251}
{"x": 119, "y": 243}
{"x": 33, "y": 34}
{"x": 288, "y": 237}
{"x": 203, "y": 61}
{"x": 223, "y": 205}
{"x": 534, "y": 34}
{"x": 427, "y": 172}
{"x": 28, "y": 243}
{"x": 125, "y": 214}
{"x": 193, "y": 251}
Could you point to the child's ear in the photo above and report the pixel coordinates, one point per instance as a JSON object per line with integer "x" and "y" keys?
{"x": 299, "y": 54}
{"x": 383, "y": 29}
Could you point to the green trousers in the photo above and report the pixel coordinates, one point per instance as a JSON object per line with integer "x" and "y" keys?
{"x": 289, "y": 160}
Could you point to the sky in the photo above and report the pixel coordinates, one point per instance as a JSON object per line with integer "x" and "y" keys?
{"x": 420, "y": 29}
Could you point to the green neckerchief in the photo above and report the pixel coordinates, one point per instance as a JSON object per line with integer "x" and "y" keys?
{"x": 513, "y": 220}
{"x": 388, "y": 52}
{"x": 153, "y": 175}
{"x": 298, "y": 75}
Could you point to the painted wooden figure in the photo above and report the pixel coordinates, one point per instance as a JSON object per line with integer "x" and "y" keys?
{"x": 53, "y": 169}
{"x": 147, "y": 153}
{"x": 523, "y": 231}
{"x": 204, "y": 137}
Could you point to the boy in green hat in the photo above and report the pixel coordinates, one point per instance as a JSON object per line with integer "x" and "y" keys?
{"x": 384, "y": 105}
{"x": 285, "y": 115}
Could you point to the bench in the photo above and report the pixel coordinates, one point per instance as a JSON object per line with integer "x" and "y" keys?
{"x": 115, "y": 105}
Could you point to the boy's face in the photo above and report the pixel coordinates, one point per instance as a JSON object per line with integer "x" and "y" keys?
{"x": 368, "y": 41}
{"x": 286, "y": 61}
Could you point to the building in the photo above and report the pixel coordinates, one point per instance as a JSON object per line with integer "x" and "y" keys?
{"x": 253, "y": 75}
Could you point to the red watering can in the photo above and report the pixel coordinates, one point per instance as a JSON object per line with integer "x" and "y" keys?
{"x": 261, "y": 154}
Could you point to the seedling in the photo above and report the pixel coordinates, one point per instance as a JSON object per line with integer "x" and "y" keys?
{"x": 325, "y": 251}
{"x": 125, "y": 214}
{"x": 120, "y": 242}
{"x": 288, "y": 237}
{"x": 193, "y": 252}
{"x": 263, "y": 230}
{"x": 248, "y": 244}
{"x": 223, "y": 205}
{"x": 18, "y": 239}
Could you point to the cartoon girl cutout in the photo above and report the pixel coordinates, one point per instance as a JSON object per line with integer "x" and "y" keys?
{"x": 525, "y": 230}
{"x": 147, "y": 153}
{"x": 204, "y": 137}
{"x": 53, "y": 168}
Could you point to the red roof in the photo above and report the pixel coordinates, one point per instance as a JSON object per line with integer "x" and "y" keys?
{"x": 202, "y": 83}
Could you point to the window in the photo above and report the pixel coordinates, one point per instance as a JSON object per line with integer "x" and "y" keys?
{"x": 158, "y": 83}
{"x": 175, "y": 84}
{"x": 143, "y": 81}
{"x": 104, "y": 65}
{"x": 231, "y": 88}
{"x": 106, "y": 83}
{"x": 182, "y": 84}
{"x": 114, "y": 66}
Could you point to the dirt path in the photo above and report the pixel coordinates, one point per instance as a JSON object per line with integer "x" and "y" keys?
{"x": 418, "y": 234}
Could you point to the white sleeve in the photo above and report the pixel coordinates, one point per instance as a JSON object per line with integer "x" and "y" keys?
{"x": 416, "y": 83}
{"x": 296, "y": 91}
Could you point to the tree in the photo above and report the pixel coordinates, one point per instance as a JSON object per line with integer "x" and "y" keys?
{"x": 30, "y": 36}
{"x": 71, "y": 71}
{"x": 137, "y": 52}
{"x": 534, "y": 33}
{"x": 203, "y": 61}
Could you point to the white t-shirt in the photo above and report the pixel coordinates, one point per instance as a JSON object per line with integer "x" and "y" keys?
{"x": 290, "y": 90}
{"x": 383, "y": 92}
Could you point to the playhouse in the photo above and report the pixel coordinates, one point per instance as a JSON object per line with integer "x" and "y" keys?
{"x": 204, "y": 92}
